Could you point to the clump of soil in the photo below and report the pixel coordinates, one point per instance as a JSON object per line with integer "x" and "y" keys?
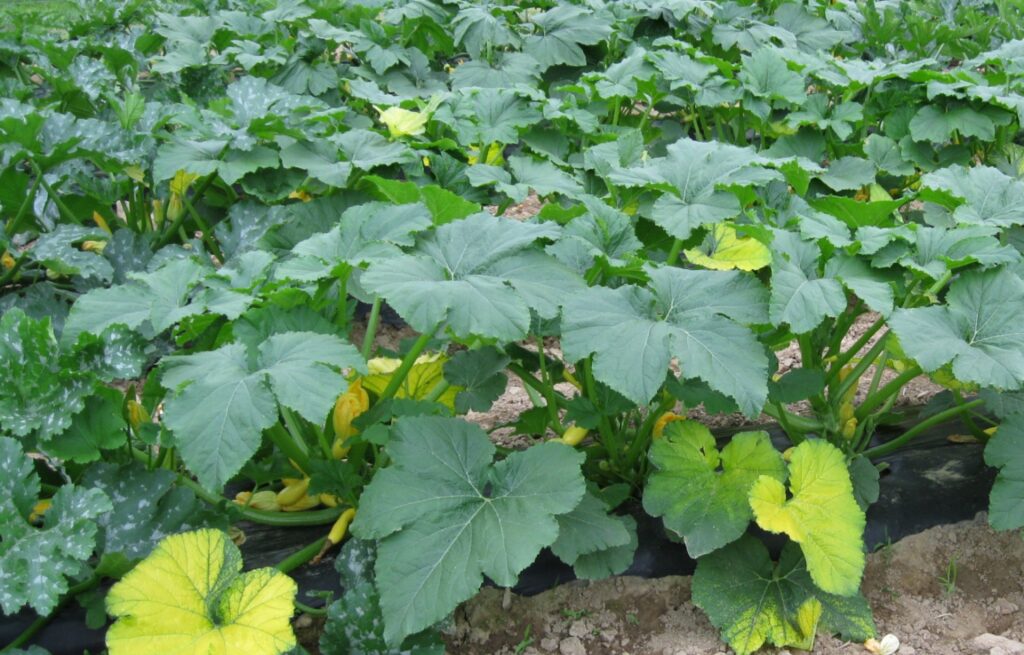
{"x": 951, "y": 590}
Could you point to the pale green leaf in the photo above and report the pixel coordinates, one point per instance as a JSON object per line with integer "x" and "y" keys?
{"x": 446, "y": 516}
{"x": 701, "y": 493}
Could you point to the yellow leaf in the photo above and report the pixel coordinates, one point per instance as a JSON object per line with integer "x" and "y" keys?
{"x": 135, "y": 172}
{"x": 189, "y": 597}
{"x": 7, "y": 260}
{"x": 807, "y": 617}
{"x": 822, "y": 516}
{"x": 725, "y": 250}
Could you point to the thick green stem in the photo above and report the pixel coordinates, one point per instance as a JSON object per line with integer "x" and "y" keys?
{"x": 437, "y": 391}
{"x": 407, "y": 363}
{"x": 841, "y": 327}
{"x": 909, "y": 435}
{"x": 845, "y": 357}
{"x": 61, "y": 207}
{"x": 293, "y": 449}
{"x": 643, "y": 435}
{"x": 673, "y": 253}
{"x": 41, "y": 621}
{"x": 854, "y": 376}
{"x": 799, "y": 424}
{"x": 371, "y": 328}
{"x": 531, "y": 381}
{"x": 935, "y": 288}
{"x": 608, "y": 436}
{"x": 548, "y": 390}
{"x": 200, "y": 191}
{"x": 890, "y": 388}
{"x": 207, "y": 237}
{"x": 312, "y": 611}
{"x": 300, "y": 557}
{"x": 341, "y": 306}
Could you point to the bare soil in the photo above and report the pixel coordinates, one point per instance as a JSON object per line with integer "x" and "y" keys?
{"x": 973, "y": 607}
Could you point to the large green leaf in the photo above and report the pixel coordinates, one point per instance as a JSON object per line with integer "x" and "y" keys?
{"x": 485, "y": 116}
{"x": 479, "y": 276}
{"x": 149, "y": 506}
{"x": 800, "y": 296}
{"x": 365, "y": 233}
{"x": 588, "y": 529}
{"x": 39, "y": 392}
{"x": 481, "y": 376}
{"x": 559, "y": 34}
{"x": 938, "y": 124}
{"x": 602, "y": 232}
{"x": 765, "y": 74}
{"x": 822, "y": 515}
{"x": 696, "y": 316}
{"x": 697, "y": 171}
{"x": 222, "y": 402}
{"x": 978, "y": 330}
{"x": 754, "y": 602}
{"x": 157, "y": 300}
{"x": 1005, "y": 451}
{"x": 446, "y": 516}
{"x": 355, "y": 625}
{"x": 703, "y": 494}
{"x": 37, "y": 562}
{"x": 100, "y": 426}
{"x": 982, "y": 195}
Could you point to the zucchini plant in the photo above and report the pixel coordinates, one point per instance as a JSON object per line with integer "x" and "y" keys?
{"x": 207, "y": 208}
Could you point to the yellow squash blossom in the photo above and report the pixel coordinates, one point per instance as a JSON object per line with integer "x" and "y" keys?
{"x": 426, "y": 373}
{"x": 404, "y": 122}
{"x": 349, "y": 405}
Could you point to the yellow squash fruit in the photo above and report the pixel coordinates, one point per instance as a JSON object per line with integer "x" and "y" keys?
{"x": 573, "y": 435}
{"x": 664, "y": 420}
{"x": 293, "y": 492}
{"x": 264, "y": 500}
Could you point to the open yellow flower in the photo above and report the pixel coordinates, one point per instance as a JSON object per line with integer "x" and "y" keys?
{"x": 405, "y": 122}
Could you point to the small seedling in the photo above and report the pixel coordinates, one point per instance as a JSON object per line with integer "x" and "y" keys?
{"x": 631, "y": 618}
{"x": 948, "y": 579}
{"x": 574, "y": 614}
{"x": 525, "y": 642}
